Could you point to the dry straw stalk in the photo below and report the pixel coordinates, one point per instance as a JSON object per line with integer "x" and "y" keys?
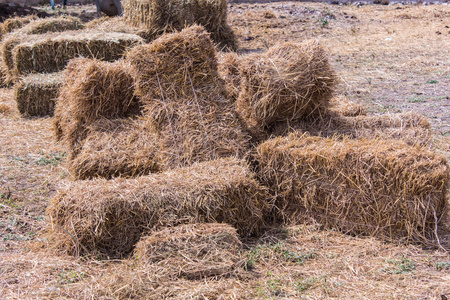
{"x": 36, "y": 94}
{"x": 289, "y": 82}
{"x": 108, "y": 217}
{"x": 165, "y": 16}
{"x": 192, "y": 251}
{"x": 375, "y": 187}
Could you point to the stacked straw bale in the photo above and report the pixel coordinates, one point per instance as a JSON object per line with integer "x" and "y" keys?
{"x": 59, "y": 24}
{"x": 184, "y": 98}
{"x": 108, "y": 217}
{"x": 92, "y": 90}
{"x": 164, "y": 16}
{"x": 36, "y": 94}
{"x": 376, "y": 187}
{"x": 289, "y": 82}
{"x": 14, "y": 23}
{"x": 51, "y": 52}
{"x": 410, "y": 127}
{"x": 113, "y": 148}
{"x": 118, "y": 24}
{"x": 192, "y": 251}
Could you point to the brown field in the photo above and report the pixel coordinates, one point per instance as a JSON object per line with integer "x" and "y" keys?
{"x": 389, "y": 59}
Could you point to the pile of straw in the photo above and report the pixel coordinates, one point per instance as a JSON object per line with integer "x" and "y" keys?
{"x": 376, "y": 187}
{"x": 193, "y": 251}
{"x": 289, "y": 82}
{"x": 50, "y": 53}
{"x": 184, "y": 98}
{"x": 92, "y": 90}
{"x": 344, "y": 107}
{"x": 59, "y": 24}
{"x": 410, "y": 127}
{"x": 165, "y": 16}
{"x": 36, "y": 94}
{"x": 116, "y": 148}
{"x": 108, "y": 217}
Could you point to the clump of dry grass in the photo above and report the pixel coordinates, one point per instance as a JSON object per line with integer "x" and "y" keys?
{"x": 113, "y": 148}
{"x": 92, "y": 90}
{"x": 108, "y": 217}
{"x": 59, "y": 24}
{"x": 184, "y": 98}
{"x": 164, "y": 16}
{"x": 192, "y": 251}
{"x": 36, "y": 94}
{"x": 51, "y": 53}
{"x": 289, "y": 82}
{"x": 375, "y": 187}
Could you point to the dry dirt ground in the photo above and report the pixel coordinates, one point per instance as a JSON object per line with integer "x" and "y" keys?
{"x": 389, "y": 58}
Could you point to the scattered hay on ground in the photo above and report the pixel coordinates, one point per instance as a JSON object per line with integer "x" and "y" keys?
{"x": 341, "y": 105}
{"x": 59, "y": 24}
{"x": 192, "y": 251}
{"x": 36, "y": 94}
{"x": 51, "y": 52}
{"x": 383, "y": 188}
{"x": 289, "y": 82}
{"x": 183, "y": 96}
{"x": 108, "y": 217}
{"x": 92, "y": 90}
{"x": 116, "y": 148}
{"x": 165, "y": 16}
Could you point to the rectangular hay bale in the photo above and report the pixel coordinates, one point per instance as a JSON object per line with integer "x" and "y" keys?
{"x": 383, "y": 188}
{"x": 36, "y": 94}
{"x": 51, "y": 52}
{"x": 108, "y": 217}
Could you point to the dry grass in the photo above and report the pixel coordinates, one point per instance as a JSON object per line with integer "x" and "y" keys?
{"x": 344, "y": 107}
{"x": 59, "y": 24}
{"x": 382, "y": 188}
{"x": 118, "y": 24}
{"x": 36, "y": 94}
{"x": 165, "y": 16}
{"x": 184, "y": 99}
{"x": 289, "y": 82}
{"x": 192, "y": 251}
{"x": 92, "y": 90}
{"x": 108, "y": 217}
{"x": 229, "y": 70}
{"x": 51, "y": 53}
{"x": 14, "y": 23}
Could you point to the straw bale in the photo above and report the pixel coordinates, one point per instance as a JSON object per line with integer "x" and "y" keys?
{"x": 107, "y": 217}
{"x": 290, "y": 81}
{"x": 193, "y": 251}
{"x": 36, "y": 94}
{"x": 51, "y": 52}
{"x": 116, "y": 148}
{"x": 164, "y": 16}
{"x": 8, "y": 44}
{"x": 345, "y": 107}
{"x": 118, "y": 24}
{"x": 183, "y": 96}
{"x": 92, "y": 90}
{"x": 380, "y": 187}
{"x": 410, "y": 127}
{"x": 229, "y": 71}
{"x": 3, "y": 75}
{"x": 13, "y": 23}
{"x": 59, "y": 24}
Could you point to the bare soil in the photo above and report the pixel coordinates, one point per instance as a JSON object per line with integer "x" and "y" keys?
{"x": 392, "y": 58}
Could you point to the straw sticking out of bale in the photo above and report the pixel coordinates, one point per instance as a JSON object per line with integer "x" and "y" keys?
{"x": 229, "y": 71}
{"x": 178, "y": 84}
{"x": 108, "y": 217}
{"x": 193, "y": 251}
{"x": 374, "y": 187}
{"x": 93, "y": 90}
{"x": 36, "y": 94}
{"x": 289, "y": 82}
{"x": 51, "y": 53}
{"x": 113, "y": 148}
{"x": 164, "y": 16}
